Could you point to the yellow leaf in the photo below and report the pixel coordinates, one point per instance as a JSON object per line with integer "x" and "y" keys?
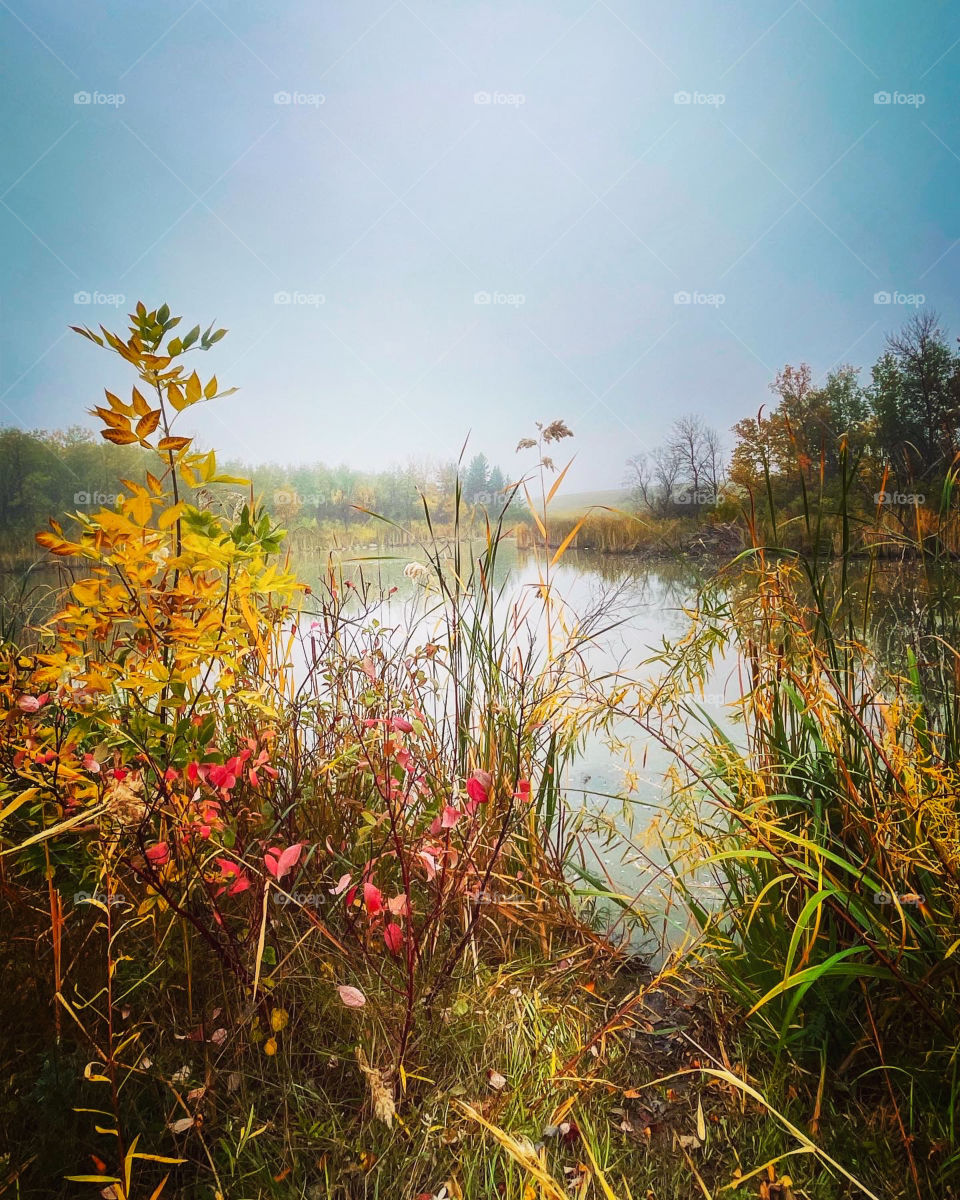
{"x": 562, "y": 548}
{"x": 176, "y": 398}
{"x": 194, "y": 390}
{"x": 116, "y": 403}
{"x": 155, "y": 1194}
{"x": 171, "y": 516}
{"x": 173, "y": 443}
{"x": 140, "y": 406}
{"x": 87, "y": 591}
{"x": 558, "y": 481}
{"x": 211, "y": 389}
{"x": 139, "y": 507}
{"x": 534, "y": 513}
{"x": 17, "y": 801}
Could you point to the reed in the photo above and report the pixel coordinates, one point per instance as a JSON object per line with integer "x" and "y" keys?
{"x": 826, "y": 819}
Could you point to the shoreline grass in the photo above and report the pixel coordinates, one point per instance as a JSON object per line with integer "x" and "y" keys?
{"x": 289, "y": 896}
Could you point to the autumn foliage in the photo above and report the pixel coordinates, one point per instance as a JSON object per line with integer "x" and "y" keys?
{"x": 265, "y": 819}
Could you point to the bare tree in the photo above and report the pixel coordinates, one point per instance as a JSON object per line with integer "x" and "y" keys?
{"x": 688, "y": 469}
{"x": 639, "y": 480}
{"x": 667, "y": 467}
{"x": 698, "y": 450}
{"x": 714, "y": 467}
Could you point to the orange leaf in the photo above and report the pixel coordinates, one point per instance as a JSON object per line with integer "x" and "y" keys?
{"x": 148, "y": 423}
{"x": 57, "y": 545}
{"x": 173, "y": 443}
{"x": 115, "y": 402}
{"x": 118, "y": 436}
{"x": 562, "y": 548}
{"x": 558, "y": 481}
{"x": 112, "y": 419}
{"x": 534, "y": 513}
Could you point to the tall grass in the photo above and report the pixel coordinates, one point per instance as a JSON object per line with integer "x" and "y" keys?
{"x": 611, "y": 532}
{"x": 828, "y": 819}
{"x": 237, "y": 963}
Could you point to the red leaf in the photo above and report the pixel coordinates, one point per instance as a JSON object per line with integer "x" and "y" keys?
{"x": 393, "y": 936}
{"x": 476, "y": 791}
{"x": 279, "y": 863}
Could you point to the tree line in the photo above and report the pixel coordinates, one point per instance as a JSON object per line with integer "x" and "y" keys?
{"x": 900, "y": 426}
{"x": 44, "y": 473}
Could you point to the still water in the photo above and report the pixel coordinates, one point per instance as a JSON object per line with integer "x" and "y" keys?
{"x": 616, "y": 781}
{"x": 619, "y": 776}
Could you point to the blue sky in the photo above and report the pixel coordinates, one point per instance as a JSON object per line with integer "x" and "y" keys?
{"x": 436, "y": 153}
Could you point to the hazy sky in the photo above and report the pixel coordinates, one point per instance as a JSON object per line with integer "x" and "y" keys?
{"x": 434, "y": 153}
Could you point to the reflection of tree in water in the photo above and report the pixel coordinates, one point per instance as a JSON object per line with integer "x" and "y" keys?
{"x": 676, "y": 578}
{"x": 918, "y": 612}
{"x": 906, "y": 615}
{"x": 29, "y": 597}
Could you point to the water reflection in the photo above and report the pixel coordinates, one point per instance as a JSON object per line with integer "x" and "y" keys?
{"x": 637, "y": 604}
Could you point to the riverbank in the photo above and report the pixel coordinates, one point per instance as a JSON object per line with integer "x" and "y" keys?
{"x": 300, "y": 894}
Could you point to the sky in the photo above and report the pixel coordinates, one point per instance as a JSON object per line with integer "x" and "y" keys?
{"x": 423, "y": 219}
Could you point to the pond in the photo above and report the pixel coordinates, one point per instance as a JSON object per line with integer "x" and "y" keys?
{"x": 640, "y": 603}
{"x": 636, "y": 604}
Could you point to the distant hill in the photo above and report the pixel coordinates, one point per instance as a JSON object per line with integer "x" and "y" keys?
{"x": 574, "y": 504}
